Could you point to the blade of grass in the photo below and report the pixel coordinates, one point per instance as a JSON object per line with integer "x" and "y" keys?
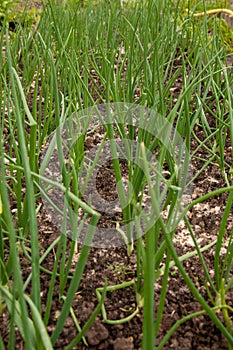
{"x": 30, "y": 188}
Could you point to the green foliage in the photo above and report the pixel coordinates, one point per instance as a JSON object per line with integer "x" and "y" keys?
{"x": 5, "y": 5}
{"x": 226, "y": 34}
{"x": 216, "y": 25}
{"x": 15, "y": 14}
{"x": 200, "y": 6}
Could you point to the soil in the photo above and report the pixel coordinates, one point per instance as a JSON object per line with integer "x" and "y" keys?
{"x": 114, "y": 265}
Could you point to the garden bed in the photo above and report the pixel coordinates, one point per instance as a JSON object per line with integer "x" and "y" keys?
{"x": 114, "y": 264}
